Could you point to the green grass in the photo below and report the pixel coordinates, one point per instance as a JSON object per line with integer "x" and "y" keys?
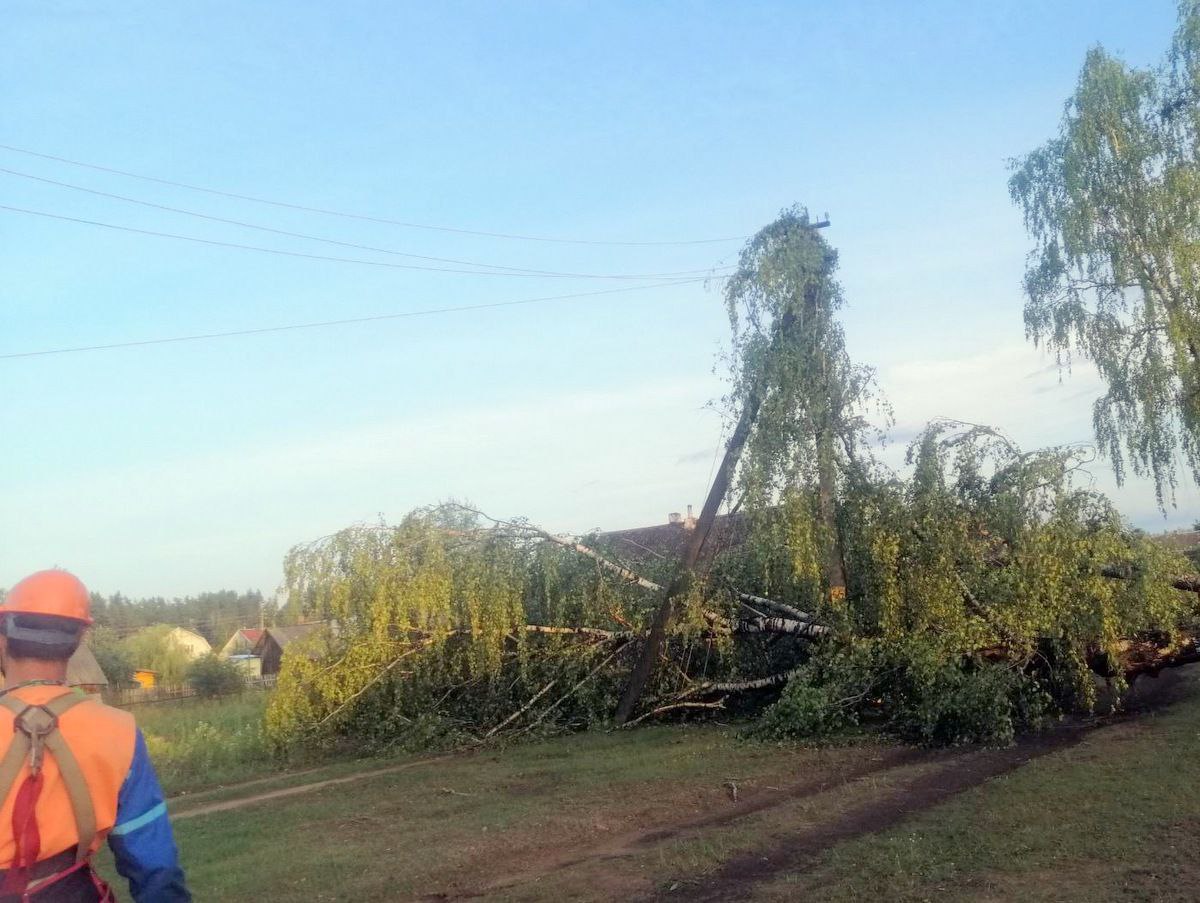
{"x": 1114, "y": 818}
{"x": 200, "y": 743}
{"x": 452, "y": 823}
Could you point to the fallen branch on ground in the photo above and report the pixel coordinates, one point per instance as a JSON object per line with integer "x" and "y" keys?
{"x": 662, "y": 709}
{"x": 571, "y": 692}
{"x": 522, "y": 710}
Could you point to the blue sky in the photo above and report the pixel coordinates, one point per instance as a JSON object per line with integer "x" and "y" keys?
{"x": 177, "y": 468}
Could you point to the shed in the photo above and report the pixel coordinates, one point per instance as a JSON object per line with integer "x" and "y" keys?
{"x": 275, "y": 640}
{"x": 84, "y": 671}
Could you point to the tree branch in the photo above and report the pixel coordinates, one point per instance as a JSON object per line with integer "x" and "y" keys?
{"x": 719, "y": 704}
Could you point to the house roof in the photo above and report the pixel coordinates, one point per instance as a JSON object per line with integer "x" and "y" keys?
{"x": 1180, "y": 540}
{"x": 669, "y": 541}
{"x": 175, "y": 629}
{"x": 84, "y": 670}
{"x": 252, "y": 634}
{"x": 284, "y": 635}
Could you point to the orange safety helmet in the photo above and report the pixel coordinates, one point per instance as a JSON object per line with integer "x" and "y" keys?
{"x": 55, "y": 592}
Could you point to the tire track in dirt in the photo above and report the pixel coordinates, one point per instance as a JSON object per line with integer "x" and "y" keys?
{"x": 630, "y": 843}
{"x": 793, "y": 850}
{"x": 243, "y": 801}
{"x": 789, "y": 852}
{"x": 957, "y": 771}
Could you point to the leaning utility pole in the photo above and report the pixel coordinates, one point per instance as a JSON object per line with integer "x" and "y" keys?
{"x": 686, "y": 571}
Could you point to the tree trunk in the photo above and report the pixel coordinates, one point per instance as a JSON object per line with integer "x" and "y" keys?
{"x": 683, "y": 577}
{"x": 686, "y": 571}
{"x": 834, "y": 567}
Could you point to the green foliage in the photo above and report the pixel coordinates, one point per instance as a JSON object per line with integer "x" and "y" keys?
{"x": 196, "y": 743}
{"x": 986, "y": 553}
{"x": 962, "y": 603}
{"x": 210, "y": 675}
{"x": 911, "y": 687}
{"x": 1113, "y": 203}
{"x": 789, "y": 356}
{"x": 213, "y": 615}
{"x": 112, "y": 655}
{"x": 154, "y": 649}
{"x": 431, "y": 639}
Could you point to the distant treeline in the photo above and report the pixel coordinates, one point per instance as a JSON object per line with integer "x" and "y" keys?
{"x": 213, "y": 615}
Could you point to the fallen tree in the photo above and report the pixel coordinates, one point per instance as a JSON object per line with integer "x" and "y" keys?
{"x": 970, "y": 599}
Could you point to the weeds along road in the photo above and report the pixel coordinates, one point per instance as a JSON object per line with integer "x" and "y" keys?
{"x": 1092, "y": 810}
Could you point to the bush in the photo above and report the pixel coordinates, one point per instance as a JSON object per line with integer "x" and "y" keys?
{"x": 210, "y": 675}
{"x": 913, "y": 690}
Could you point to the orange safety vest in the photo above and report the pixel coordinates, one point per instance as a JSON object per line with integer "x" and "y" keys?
{"x": 99, "y": 744}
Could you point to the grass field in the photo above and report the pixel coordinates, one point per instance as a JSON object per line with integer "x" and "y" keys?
{"x": 200, "y": 743}
{"x": 1104, "y": 813}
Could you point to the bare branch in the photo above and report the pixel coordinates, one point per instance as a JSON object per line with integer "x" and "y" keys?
{"x": 719, "y": 704}
{"x": 522, "y": 710}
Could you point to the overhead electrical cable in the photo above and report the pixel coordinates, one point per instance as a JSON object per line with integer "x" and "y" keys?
{"x": 347, "y": 244}
{"x": 359, "y": 261}
{"x": 321, "y": 324}
{"x": 362, "y": 216}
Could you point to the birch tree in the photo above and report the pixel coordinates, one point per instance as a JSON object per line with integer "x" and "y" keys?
{"x": 1113, "y": 205}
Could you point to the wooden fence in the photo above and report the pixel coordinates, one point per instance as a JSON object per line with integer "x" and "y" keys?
{"x": 124, "y": 697}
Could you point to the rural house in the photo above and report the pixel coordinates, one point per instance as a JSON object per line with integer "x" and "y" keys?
{"x": 242, "y": 642}
{"x": 274, "y": 642}
{"x": 189, "y": 641}
{"x": 642, "y": 546}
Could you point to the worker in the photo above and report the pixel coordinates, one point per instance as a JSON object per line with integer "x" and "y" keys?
{"x": 73, "y": 772}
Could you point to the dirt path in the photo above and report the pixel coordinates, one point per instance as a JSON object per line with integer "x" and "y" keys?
{"x": 602, "y": 863}
{"x": 626, "y": 844}
{"x": 243, "y": 801}
{"x": 955, "y": 772}
{"x": 793, "y": 850}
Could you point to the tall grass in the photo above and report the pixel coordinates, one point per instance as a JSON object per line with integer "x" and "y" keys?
{"x": 198, "y": 743}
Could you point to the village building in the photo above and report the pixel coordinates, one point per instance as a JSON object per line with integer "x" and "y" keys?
{"x": 190, "y": 641}
{"x": 249, "y": 665}
{"x": 274, "y": 642}
{"x": 242, "y": 642}
{"x": 644, "y": 547}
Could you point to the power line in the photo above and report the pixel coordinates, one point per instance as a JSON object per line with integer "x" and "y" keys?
{"x": 197, "y": 337}
{"x": 361, "y": 216}
{"x": 302, "y": 254}
{"x": 345, "y": 244}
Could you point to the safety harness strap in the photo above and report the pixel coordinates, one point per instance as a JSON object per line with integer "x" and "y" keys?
{"x": 14, "y": 759}
{"x": 36, "y": 725}
{"x": 72, "y": 775}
